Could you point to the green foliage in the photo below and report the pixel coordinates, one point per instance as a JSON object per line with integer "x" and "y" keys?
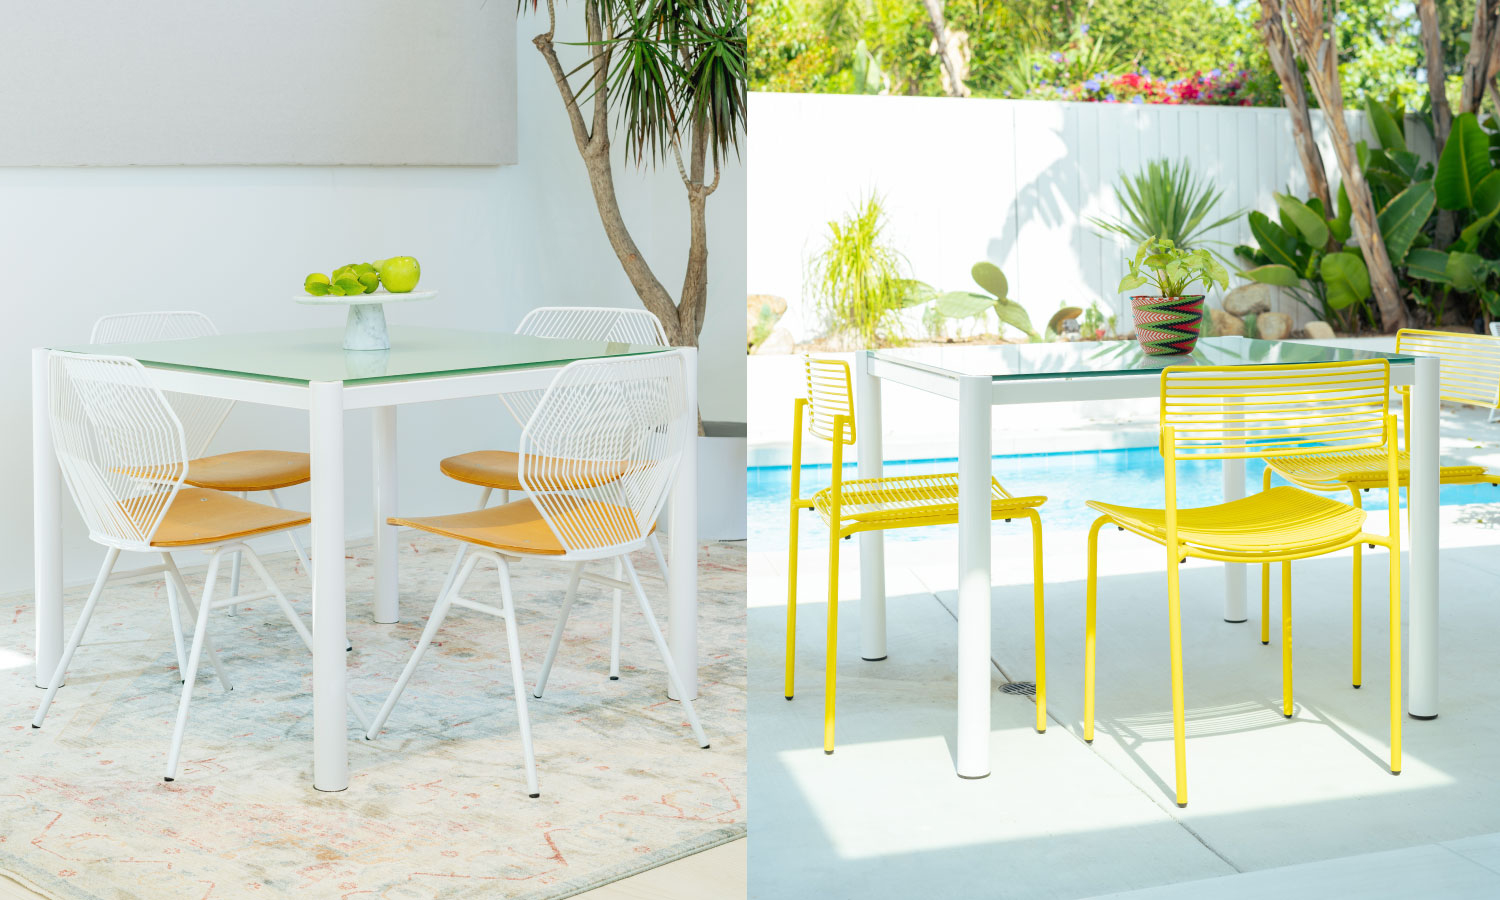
{"x": 1172, "y": 270}
{"x": 1165, "y": 200}
{"x": 858, "y": 281}
{"x": 1300, "y": 253}
{"x": 968, "y": 304}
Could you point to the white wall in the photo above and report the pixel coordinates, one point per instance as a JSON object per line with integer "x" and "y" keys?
{"x": 1012, "y": 181}
{"x": 235, "y": 242}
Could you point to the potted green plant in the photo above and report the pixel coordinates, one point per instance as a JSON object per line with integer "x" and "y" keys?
{"x": 1169, "y": 321}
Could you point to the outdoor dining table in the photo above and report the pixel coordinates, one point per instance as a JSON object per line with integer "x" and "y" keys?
{"x": 982, "y": 377}
{"x": 309, "y": 370}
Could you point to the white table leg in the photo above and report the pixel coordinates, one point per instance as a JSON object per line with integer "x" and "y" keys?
{"x": 46, "y": 511}
{"x": 682, "y": 627}
{"x": 1234, "y": 573}
{"x": 870, "y": 452}
{"x": 973, "y": 577}
{"x": 1422, "y": 495}
{"x": 386, "y": 565}
{"x": 330, "y": 728}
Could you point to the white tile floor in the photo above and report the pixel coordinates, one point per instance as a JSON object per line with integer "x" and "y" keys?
{"x": 886, "y": 817}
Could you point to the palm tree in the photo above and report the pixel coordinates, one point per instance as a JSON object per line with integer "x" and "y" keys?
{"x": 673, "y": 74}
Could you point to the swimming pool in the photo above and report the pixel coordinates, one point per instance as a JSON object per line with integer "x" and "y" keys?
{"x": 1132, "y": 476}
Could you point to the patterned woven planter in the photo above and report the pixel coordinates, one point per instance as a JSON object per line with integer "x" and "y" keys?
{"x": 1167, "y": 326}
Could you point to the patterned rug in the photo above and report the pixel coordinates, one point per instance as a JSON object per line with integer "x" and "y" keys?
{"x": 435, "y": 808}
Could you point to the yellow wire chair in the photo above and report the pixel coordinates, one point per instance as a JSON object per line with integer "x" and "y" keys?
{"x": 1274, "y": 412}
{"x": 1468, "y": 372}
{"x": 875, "y": 504}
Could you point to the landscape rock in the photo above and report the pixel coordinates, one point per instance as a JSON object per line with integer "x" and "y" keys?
{"x": 780, "y": 341}
{"x": 1319, "y": 331}
{"x": 1274, "y": 326}
{"x": 775, "y": 308}
{"x": 1249, "y": 299}
{"x": 1225, "y": 325}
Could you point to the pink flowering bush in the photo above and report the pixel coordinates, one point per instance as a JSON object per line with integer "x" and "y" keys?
{"x": 1215, "y": 88}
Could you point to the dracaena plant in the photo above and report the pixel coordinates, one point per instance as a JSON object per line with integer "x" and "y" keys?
{"x": 1172, "y": 270}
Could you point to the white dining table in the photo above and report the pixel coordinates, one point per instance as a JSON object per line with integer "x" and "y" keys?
{"x": 980, "y": 378}
{"x": 308, "y": 370}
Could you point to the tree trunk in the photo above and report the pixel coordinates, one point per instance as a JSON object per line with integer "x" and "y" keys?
{"x": 1284, "y": 61}
{"x": 1437, "y": 88}
{"x": 695, "y": 280}
{"x": 947, "y": 54}
{"x": 1482, "y": 45}
{"x": 1313, "y": 36}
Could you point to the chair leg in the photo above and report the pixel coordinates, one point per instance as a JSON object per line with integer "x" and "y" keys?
{"x": 1179, "y": 716}
{"x": 1265, "y": 579}
{"x": 517, "y": 676}
{"x": 292, "y": 536}
{"x": 1356, "y": 626}
{"x": 557, "y": 632}
{"x": 831, "y": 654}
{"x": 666, "y": 654}
{"x": 174, "y": 609}
{"x": 791, "y": 605}
{"x": 1040, "y": 622}
{"x": 614, "y": 628}
{"x": 234, "y": 572}
{"x": 208, "y": 642}
{"x": 77, "y": 638}
{"x": 1090, "y": 640}
{"x": 1286, "y": 638}
{"x": 355, "y": 708}
{"x": 458, "y": 558}
{"x": 434, "y": 621}
{"x": 200, "y": 634}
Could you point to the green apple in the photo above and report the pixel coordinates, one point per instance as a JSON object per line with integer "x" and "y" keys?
{"x": 400, "y": 274}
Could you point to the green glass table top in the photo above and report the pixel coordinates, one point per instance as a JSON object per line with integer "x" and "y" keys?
{"x": 304, "y": 356}
{"x": 1086, "y": 359}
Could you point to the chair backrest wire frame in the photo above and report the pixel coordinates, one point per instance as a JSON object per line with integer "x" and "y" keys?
{"x": 120, "y": 446}
{"x": 830, "y": 394}
{"x": 1468, "y": 364}
{"x": 583, "y": 323}
{"x": 201, "y": 417}
{"x": 599, "y": 454}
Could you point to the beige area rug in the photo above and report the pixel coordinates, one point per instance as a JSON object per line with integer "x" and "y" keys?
{"x": 436, "y": 808}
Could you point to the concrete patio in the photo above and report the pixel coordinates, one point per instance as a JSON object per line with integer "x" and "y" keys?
{"x": 886, "y": 815}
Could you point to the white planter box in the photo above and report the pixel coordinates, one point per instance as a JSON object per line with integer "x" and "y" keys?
{"x": 721, "y": 483}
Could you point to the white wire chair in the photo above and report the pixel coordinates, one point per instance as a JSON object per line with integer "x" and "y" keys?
{"x": 201, "y": 417}
{"x": 123, "y": 454}
{"x": 494, "y": 470}
{"x": 598, "y": 457}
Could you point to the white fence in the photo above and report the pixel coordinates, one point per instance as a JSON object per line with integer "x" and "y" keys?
{"x": 1012, "y": 181}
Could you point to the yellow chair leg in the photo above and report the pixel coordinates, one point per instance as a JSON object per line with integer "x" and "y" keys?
{"x": 831, "y": 661}
{"x": 1265, "y": 579}
{"x": 1040, "y": 616}
{"x": 1179, "y": 723}
{"x": 1286, "y": 639}
{"x": 1357, "y": 628}
{"x": 1089, "y": 639}
{"x": 791, "y": 605}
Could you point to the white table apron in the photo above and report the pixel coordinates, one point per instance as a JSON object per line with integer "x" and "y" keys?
{"x": 976, "y": 395}
{"x": 325, "y": 403}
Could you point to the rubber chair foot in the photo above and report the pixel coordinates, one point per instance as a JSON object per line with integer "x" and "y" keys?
{"x": 1286, "y": 715}
{"x": 788, "y": 697}
{"x": 705, "y": 746}
{"x": 614, "y": 678}
{"x": 38, "y": 726}
{"x": 827, "y": 752}
{"x": 1356, "y": 687}
{"x": 1396, "y": 772}
{"x": 1265, "y": 643}
{"x": 533, "y": 796}
{"x": 166, "y": 778}
{"x": 875, "y": 658}
{"x": 1182, "y": 806}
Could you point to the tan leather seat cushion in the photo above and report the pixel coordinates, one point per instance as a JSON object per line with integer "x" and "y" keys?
{"x": 517, "y": 527}
{"x": 500, "y": 469}
{"x": 250, "y": 470}
{"x": 201, "y": 516}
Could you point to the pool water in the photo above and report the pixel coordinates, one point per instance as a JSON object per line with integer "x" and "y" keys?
{"x": 1133, "y": 477}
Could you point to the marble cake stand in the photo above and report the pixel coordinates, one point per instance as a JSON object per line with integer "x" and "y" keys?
{"x": 365, "y": 328}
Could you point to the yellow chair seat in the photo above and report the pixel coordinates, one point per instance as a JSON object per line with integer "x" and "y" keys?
{"x": 518, "y": 527}
{"x": 200, "y": 516}
{"x": 906, "y": 500}
{"x": 1364, "y": 469}
{"x": 500, "y": 469}
{"x": 250, "y": 470}
{"x": 1288, "y": 519}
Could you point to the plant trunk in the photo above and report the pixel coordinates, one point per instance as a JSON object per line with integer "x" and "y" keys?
{"x": 695, "y": 280}
{"x": 1313, "y": 36}
{"x": 1442, "y": 116}
{"x": 1482, "y": 47}
{"x": 947, "y": 54}
{"x": 1284, "y": 61}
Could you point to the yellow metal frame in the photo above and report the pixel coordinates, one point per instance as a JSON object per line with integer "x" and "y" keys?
{"x": 1227, "y": 412}
{"x": 879, "y": 504}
